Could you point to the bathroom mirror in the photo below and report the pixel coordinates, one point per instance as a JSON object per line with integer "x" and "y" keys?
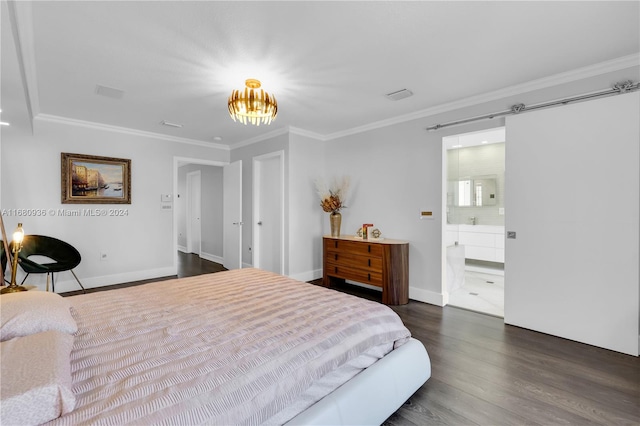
{"x": 478, "y": 191}
{"x": 484, "y": 189}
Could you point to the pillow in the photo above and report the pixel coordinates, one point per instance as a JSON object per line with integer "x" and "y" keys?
{"x": 35, "y": 378}
{"x": 30, "y": 312}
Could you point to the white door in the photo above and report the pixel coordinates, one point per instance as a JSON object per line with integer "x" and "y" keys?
{"x": 572, "y": 201}
{"x": 232, "y": 215}
{"x": 268, "y": 217}
{"x": 194, "y": 211}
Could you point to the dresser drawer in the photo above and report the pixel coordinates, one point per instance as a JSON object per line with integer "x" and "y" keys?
{"x": 355, "y": 247}
{"x": 355, "y": 260}
{"x": 355, "y": 274}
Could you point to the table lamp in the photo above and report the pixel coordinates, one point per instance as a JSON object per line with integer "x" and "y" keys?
{"x": 16, "y": 246}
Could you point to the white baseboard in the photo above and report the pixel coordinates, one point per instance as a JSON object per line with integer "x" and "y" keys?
{"x": 308, "y": 275}
{"x": 418, "y": 294}
{"x": 212, "y": 258}
{"x": 70, "y": 284}
{"x": 183, "y": 249}
{"x": 421, "y": 295}
{"x": 427, "y": 296}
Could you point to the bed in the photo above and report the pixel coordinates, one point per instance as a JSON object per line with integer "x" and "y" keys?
{"x": 237, "y": 347}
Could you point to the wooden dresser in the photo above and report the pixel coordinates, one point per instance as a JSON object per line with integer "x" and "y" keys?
{"x": 383, "y": 264}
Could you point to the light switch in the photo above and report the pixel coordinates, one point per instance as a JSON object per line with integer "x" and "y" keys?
{"x": 166, "y": 198}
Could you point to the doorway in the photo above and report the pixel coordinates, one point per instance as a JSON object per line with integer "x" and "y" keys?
{"x": 209, "y": 244}
{"x": 473, "y": 220}
{"x": 268, "y": 213}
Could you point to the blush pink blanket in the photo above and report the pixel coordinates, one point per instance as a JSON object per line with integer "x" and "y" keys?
{"x": 235, "y": 347}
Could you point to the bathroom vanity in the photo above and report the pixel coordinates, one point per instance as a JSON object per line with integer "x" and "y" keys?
{"x": 481, "y": 242}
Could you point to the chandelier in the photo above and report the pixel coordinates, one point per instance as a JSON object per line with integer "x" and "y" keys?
{"x": 252, "y": 105}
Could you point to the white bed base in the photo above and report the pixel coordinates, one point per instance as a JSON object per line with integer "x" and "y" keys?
{"x": 375, "y": 393}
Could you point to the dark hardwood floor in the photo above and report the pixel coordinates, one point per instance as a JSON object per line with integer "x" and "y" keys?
{"x": 189, "y": 264}
{"x": 487, "y": 373}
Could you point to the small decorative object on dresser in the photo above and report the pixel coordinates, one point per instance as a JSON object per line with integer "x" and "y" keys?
{"x": 374, "y": 234}
{"x": 383, "y": 264}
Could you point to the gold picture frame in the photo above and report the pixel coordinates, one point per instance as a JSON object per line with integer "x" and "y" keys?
{"x": 90, "y": 179}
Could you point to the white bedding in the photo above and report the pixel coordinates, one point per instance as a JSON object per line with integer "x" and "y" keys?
{"x": 236, "y": 347}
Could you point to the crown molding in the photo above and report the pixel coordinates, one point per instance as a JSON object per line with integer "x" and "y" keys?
{"x": 278, "y": 132}
{"x": 307, "y": 133}
{"x": 613, "y": 65}
{"x": 124, "y": 130}
{"x": 260, "y": 138}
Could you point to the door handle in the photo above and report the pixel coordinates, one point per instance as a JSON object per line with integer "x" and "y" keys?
{"x": 260, "y": 223}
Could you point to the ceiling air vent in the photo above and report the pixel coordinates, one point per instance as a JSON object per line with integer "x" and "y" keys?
{"x": 400, "y": 94}
{"x": 169, "y": 124}
{"x": 109, "y": 92}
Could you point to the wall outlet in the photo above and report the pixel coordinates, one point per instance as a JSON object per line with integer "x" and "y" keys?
{"x": 104, "y": 256}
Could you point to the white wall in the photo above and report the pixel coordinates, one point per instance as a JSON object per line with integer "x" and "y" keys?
{"x": 211, "y": 220}
{"x": 306, "y": 218}
{"x": 573, "y": 184}
{"x": 140, "y": 244}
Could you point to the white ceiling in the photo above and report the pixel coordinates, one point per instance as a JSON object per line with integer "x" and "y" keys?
{"x": 329, "y": 64}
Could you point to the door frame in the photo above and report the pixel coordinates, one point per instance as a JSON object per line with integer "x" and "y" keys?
{"x": 190, "y": 212}
{"x": 255, "y": 228}
{"x": 445, "y": 141}
{"x": 178, "y": 162}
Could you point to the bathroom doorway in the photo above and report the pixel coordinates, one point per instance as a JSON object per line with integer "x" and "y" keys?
{"x": 473, "y": 222}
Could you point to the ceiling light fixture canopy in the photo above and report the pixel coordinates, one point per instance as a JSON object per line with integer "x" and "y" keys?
{"x": 252, "y": 105}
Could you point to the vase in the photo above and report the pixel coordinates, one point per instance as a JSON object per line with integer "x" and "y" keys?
{"x": 335, "y": 219}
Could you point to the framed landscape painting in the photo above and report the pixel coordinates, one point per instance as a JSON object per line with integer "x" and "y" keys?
{"x": 89, "y": 179}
